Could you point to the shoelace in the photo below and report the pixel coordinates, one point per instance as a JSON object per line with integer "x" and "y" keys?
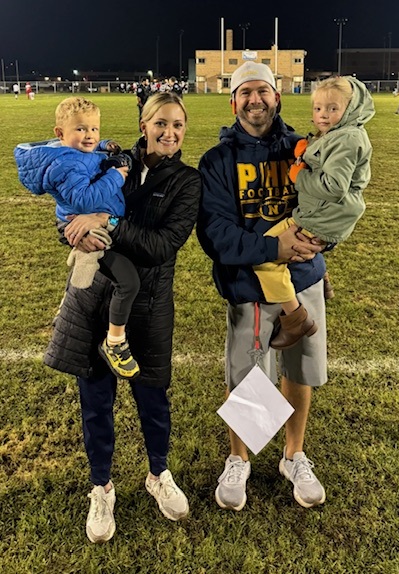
{"x": 302, "y": 469}
{"x": 233, "y": 472}
{"x": 168, "y": 487}
{"x": 99, "y": 504}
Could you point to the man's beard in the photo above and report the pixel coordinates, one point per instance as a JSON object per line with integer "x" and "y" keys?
{"x": 265, "y": 120}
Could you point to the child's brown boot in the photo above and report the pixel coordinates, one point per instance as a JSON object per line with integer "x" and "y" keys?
{"x": 293, "y": 327}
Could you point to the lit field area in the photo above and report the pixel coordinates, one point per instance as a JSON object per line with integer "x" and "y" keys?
{"x": 353, "y": 429}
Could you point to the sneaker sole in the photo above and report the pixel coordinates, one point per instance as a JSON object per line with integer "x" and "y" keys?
{"x": 229, "y": 506}
{"x": 115, "y": 371}
{"x": 308, "y": 504}
{"x": 101, "y": 539}
{"x": 295, "y": 492}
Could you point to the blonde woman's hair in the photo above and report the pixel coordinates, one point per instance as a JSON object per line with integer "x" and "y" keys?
{"x": 155, "y": 103}
{"x": 339, "y": 83}
{"x": 72, "y": 106}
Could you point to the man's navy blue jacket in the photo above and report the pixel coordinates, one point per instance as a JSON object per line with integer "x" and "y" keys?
{"x": 246, "y": 190}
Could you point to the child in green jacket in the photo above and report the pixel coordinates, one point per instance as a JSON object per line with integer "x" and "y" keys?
{"x": 330, "y": 173}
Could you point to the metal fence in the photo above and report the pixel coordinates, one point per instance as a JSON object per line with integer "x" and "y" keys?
{"x": 375, "y": 86}
{"x": 42, "y": 87}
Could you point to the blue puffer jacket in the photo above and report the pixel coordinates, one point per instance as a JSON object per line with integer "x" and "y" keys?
{"x": 74, "y": 178}
{"x": 246, "y": 190}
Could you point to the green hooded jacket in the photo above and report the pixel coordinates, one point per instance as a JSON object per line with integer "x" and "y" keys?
{"x": 330, "y": 192}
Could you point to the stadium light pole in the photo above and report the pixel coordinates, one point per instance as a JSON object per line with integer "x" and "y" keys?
{"x": 3, "y": 75}
{"x": 157, "y": 58}
{"x": 180, "y": 52}
{"x": 244, "y": 27}
{"x": 389, "y": 55}
{"x": 340, "y": 22}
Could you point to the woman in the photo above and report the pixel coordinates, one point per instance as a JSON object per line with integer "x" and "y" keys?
{"x": 160, "y": 216}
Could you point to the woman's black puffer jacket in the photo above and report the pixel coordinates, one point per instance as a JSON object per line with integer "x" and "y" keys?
{"x": 151, "y": 233}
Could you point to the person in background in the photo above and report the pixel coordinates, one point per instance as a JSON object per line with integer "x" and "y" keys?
{"x": 331, "y": 172}
{"x": 174, "y": 86}
{"x": 395, "y": 95}
{"x": 162, "y": 197}
{"x": 143, "y": 92}
{"x": 16, "y": 90}
{"x": 246, "y": 191}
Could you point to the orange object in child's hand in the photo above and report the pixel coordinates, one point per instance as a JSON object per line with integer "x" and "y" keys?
{"x": 300, "y": 147}
{"x": 295, "y": 169}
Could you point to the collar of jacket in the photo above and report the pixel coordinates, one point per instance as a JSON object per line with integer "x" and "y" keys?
{"x": 138, "y": 151}
{"x": 279, "y": 134}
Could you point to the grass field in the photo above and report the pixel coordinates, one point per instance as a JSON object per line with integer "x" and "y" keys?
{"x": 352, "y": 432}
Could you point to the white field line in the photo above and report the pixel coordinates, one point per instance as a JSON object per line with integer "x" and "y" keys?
{"x": 381, "y": 204}
{"x": 342, "y": 365}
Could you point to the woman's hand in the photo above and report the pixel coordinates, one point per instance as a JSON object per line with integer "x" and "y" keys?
{"x": 295, "y": 246}
{"x": 81, "y": 224}
{"x": 89, "y": 244}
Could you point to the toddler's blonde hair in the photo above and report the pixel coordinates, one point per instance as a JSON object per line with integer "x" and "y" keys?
{"x": 339, "y": 83}
{"x": 73, "y": 106}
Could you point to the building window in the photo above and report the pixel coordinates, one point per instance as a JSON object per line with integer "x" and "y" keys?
{"x": 298, "y": 60}
{"x": 233, "y": 61}
{"x": 226, "y": 83}
{"x": 200, "y": 60}
{"x": 266, "y": 61}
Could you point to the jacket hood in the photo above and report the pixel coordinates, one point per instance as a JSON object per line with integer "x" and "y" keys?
{"x": 280, "y": 132}
{"x": 361, "y": 107}
{"x": 33, "y": 160}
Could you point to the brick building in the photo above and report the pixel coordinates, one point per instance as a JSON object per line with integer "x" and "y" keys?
{"x": 213, "y": 74}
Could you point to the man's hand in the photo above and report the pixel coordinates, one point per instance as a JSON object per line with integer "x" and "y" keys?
{"x": 294, "y": 246}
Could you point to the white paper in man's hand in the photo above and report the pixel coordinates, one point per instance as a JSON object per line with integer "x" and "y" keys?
{"x": 255, "y": 410}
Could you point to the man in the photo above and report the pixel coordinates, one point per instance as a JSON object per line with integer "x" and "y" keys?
{"x": 16, "y": 90}
{"x": 174, "y": 86}
{"x": 143, "y": 92}
{"x": 246, "y": 190}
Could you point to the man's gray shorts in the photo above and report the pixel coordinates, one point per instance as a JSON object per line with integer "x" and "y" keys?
{"x": 306, "y": 363}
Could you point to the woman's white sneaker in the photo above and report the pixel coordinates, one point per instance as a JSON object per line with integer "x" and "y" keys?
{"x": 171, "y": 499}
{"x": 100, "y": 524}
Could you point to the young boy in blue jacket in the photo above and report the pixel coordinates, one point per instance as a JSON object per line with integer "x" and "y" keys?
{"x": 83, "y": 179}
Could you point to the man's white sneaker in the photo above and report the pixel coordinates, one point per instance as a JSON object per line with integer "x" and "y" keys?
{"x": 308, "y": 491}
{"x": 230, "y": 492}
{"x": 100, "y": 524}
{"x": 171, "y": 500}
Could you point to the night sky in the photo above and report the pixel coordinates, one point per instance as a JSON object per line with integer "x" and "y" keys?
{"x": 53, "y": 37}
